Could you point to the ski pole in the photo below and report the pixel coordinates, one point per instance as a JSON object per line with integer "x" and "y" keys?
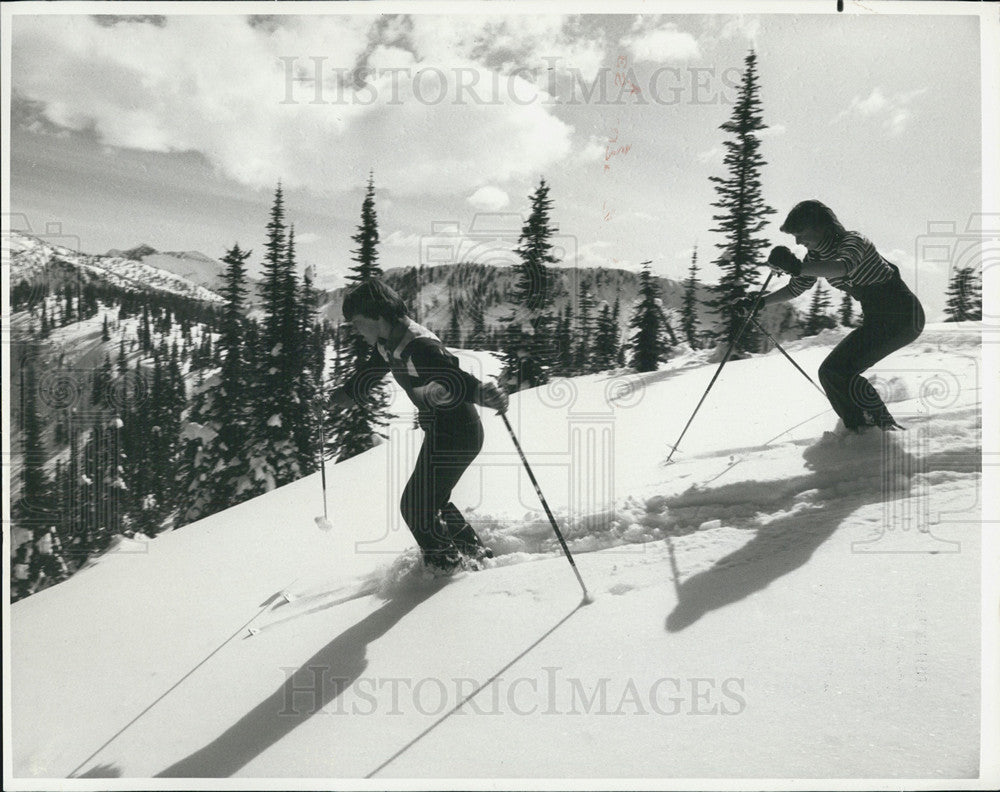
{"x": 538, "y": 490}
{"x": 324, "y": 521}
{"x": 718, "y": 371}
{"x": 783, "y": 352}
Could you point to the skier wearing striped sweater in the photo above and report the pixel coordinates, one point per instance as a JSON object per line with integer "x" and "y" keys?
{"x": 444, "y": 395}
{"x": 892, "y": 315}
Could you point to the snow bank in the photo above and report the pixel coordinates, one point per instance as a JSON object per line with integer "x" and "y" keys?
{"x": 775, "y": 603}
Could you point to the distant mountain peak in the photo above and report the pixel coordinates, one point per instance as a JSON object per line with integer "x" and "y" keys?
{"x": 134, "y": 254}
{"x": 190, "y": 254}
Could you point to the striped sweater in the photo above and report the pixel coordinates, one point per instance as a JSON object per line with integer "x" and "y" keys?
{"x": 418, "y": 359}
{"x": 861, "y": 262}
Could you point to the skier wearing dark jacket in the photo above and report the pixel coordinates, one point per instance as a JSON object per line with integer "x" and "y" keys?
{"x": 444, "y": 395}
{"x": 892, "y": 315}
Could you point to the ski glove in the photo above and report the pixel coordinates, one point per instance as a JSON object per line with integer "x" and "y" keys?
{"x": 745, "y": 305}
{"x": 494, "y": 397}
{"x": 783, "y": 259}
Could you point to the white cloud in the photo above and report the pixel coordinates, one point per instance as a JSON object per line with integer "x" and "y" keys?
{"x": 593, "y": 254}
{"x": 773, "y": 130}
{"x": 391, "y": 58}
{"x": 400, "y": 239}
{"x": 489, "y": 198}
{"x": 892, "y": 112}
{"x": 307, "y": 238}
{"x": 713, "y": 154}
{"x": 660, "y": 42}
{"x": 508, "y": 42}
{"x": 719, "y": 27}
{"x": 875, "y": 103}
{"x": 253, "y": 116}
{"x": 739, "y": 26}
{"x": 593, "y": 151}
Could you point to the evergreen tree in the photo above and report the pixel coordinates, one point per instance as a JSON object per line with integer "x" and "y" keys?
{"x": 145, "y": 332}
{"x": 274, "y": 282}
{"x": 743, "y": 211}
{"x": 102, "y": 381}
{"x": 533, "y": 283}
{"x": 689, "y": 306}
{"x": 649, "y": 341}
{"x": 34, "y": 507}
{"x": 477, "y": 316}
{"x": 563, "y": 364}
{"x": 605, "y": 340}
{"x": 454, "y": 326}
{"x": 584, "y": 336}
{"x": 218, "y": 472}
{"x": 818, "y": 319}
{"x": 365, "y": 255}
{"x": 974, "y": 286}
{"x": 354, "y": 429}
{"x": 105, "y": 330}
{"x": 533, "y": 290}
{"x": 279, "y": 358}
{"x": 68, "y": 305}
{"x": 846, "y": 312}
{"x": 616, "y": 318}
{"x": 308, "y": 412}
{"x": 134, "y": 448}
{"x": 964, "y": 296}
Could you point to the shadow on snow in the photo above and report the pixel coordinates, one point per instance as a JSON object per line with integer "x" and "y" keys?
{"x": 843, "y": 479}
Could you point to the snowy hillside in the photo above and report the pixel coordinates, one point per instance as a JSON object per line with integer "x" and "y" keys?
{"x": 30, "y": 256}
{"x": 190, "y": 265}
{"x": 775, "y": 603}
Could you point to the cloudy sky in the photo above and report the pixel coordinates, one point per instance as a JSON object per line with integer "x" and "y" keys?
{"x": 174, "y": 130}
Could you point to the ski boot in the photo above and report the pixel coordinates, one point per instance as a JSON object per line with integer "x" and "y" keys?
{"x": 471, "y": 547}
{"x": 443, "y": 563}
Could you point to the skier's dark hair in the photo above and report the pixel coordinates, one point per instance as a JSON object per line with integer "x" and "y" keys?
{"x": 811, "y": 214}
{"x": 373, "y": 299}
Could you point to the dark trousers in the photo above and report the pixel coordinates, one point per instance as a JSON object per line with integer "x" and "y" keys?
{"x": 435, "y": 522}
{"x": 893, "y": 317}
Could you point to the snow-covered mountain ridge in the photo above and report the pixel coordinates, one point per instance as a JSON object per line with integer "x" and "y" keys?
{"x": 31, "y": 257}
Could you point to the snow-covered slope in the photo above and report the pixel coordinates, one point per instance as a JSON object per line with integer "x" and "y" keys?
{"x": 775, "y": 603}
{"x": 30, "y": 256}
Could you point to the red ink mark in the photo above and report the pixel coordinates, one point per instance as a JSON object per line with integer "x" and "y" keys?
{"x": 621, "y": 76}
{"x": 613, "y": 148}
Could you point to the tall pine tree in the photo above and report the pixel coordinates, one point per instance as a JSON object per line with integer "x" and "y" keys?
{"x": 743, "y": 211}
{"x": 275, "y": 457}
{"x": 649, "y": 344}
{"x": 605, "y": 350}
{"x": 454, "y": 324}
{"x": 477, "y": 316}
{"x": 689, "y": 306}
{"x": 846, "y": 311}
{"x": 964, "y": 296}
{"x": 308, "y": 411}
{"x": 585, "y": 325}
{"x": 217, "y": 473}
{"x": 354, "y": 429}
{"x": 533, "y": 290}
{"x": 533, "y": 283}
{"x": 34, "y": 507}
{"x": 818, "y": 319}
